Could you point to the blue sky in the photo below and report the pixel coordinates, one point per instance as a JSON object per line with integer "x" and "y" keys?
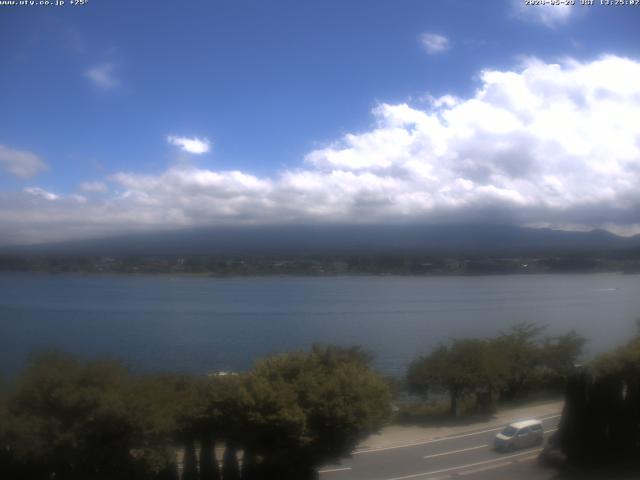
{"x": 293, "y": 112}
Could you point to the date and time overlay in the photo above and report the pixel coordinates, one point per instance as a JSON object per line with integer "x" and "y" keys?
{"x": 527, "y": 3}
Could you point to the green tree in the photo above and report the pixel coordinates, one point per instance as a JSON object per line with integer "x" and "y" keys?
{"x": 310, "y": 408}
{"x": 70, "y": 420}
{"x": 559, "y": 358}
{"x": 93, "y": 420}
{"x": 623, "y": 362}
{"x": 164, "y": 409}
{"x": 520, "y": 349}
{"x": 224, "y": 417}
{"x": 463, "y": 367}
{"x": 561, "y": 353}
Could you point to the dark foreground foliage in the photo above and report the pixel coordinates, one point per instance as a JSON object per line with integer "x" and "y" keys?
{"x": 68, "y": 419}
{"x": 600, "y": 425}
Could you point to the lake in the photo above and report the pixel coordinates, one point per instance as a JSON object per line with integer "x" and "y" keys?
{"x": 195, "y": 324}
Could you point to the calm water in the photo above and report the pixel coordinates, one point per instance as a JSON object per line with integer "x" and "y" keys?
{"x": 201, "y": 324}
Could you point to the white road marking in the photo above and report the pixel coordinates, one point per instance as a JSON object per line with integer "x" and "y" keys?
{"x": 427, "y": 442}
{"x": 460, "y": 467}
{"x": 331, "y": 470}
{"x": 456, "y": 451}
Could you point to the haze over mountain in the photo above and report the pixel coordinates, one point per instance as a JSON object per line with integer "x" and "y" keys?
{"x": 468, "y": 239}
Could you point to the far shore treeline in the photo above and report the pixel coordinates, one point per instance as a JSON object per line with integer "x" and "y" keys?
{"x": 407, "y": 263}
{"x": 72, "y": 419}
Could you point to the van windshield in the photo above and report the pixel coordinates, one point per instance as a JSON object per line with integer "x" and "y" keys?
{"x": 509, "y": 431}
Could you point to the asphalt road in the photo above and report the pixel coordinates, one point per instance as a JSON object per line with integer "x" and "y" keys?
{"x": 468, "y": 455}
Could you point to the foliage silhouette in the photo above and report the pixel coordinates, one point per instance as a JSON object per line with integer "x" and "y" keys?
{"x": 600, "y": 425}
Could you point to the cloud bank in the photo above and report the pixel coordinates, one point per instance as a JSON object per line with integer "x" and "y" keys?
{"x": 544, "y": 144}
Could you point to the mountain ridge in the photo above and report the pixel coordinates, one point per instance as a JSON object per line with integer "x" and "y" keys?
{"x": 449, "y": 239}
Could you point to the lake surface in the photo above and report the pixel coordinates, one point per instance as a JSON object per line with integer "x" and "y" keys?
{"x": 192, "y": 324}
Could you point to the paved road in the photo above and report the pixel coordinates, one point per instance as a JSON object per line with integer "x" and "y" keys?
{"x": 466, "y": 454}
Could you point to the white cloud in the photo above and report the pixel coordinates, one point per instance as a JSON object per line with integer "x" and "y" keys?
{"x": 39, "y": 192}
{"x": 543, "y": 144}
{"x": 190, "y": 145}
{"x": 434, "y": 43}
{"x": 103, "y": 76}
{"x": 94, "y": 187}
{"x": 548, "y": 15}
{"x": 20, "y": 162}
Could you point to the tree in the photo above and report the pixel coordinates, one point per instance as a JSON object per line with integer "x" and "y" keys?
{"x": 230, "y": 467}
{"x": 6, "y": 457}
{"x": 189, "y": 462}
{"x": 166, "y": 411}
{"x": 510, "y": 364}
{"x": 600, "y": 424}
{"x": 559, "y": 357}
{"x": 93, "y": 420}
{"x": 223, "y": 417}
{"x": 467, "y": 366}
{"x": 428, "y": 371}
{"x": 519, "y": 348}
{"x": 209, "y": 469}
{"x": 250, "y": 469}
{"x": 70, "y": 420}
{"x": 561, "y": 353}
{"x": 310, "y": 408}
{"x": 419, "y": 377}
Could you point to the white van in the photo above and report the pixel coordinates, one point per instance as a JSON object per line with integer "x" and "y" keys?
{"x": 519, "y": 435}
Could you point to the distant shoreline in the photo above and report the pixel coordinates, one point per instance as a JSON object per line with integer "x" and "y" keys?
{"x": 308, "y": 275}
{"x": 376, "y": 264}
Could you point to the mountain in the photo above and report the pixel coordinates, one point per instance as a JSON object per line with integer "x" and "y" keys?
{"x": 468, "y": 239}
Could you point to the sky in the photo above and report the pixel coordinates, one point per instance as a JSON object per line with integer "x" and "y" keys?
{"x": 121, "y": 116}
